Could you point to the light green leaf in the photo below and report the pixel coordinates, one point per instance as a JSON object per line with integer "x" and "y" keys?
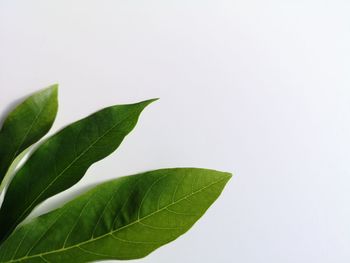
{"x": 26, "y": 124}
{"x": 126, "y": 218}
{"x": 62, "y": 160}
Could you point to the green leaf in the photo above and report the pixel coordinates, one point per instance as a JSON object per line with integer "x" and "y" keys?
{"x": 12, "y": 169}
{"x": 26, "y": 124}
{"x": 62, "y": 160}
{"x": 126, "y": 218}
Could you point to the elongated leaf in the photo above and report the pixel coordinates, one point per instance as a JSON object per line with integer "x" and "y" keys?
{"x": 26, "y": 124}
{"x": 63, "y": 159}
{"x": 126, "y": 218}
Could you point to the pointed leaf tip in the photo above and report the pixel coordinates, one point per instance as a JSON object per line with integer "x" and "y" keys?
{"x": 147, "y": 102}
{"x": 27, "y": 123}
{"x": 55, "y": 166}
{"x": 52, "y": 89}
{"x": 126, "y": 218}
{"x": 229, "y": 175}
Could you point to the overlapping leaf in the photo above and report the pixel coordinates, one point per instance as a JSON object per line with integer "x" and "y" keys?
{"x": 126, "y": 218}
{"x": 62, "y": 160}
{"x": 26, "y": 124}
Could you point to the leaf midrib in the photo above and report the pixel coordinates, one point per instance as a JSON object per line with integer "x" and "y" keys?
{"x": 64, "y": 170}
{"x": 28, "y": 131}
{"x": 16, "y": 150}
{"x": 119, "y": 229}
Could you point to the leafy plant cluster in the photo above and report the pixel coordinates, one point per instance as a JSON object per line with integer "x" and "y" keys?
{"x": 125, "y": 218}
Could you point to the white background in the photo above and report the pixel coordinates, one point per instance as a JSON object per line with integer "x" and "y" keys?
{"x": 258, "y": 88}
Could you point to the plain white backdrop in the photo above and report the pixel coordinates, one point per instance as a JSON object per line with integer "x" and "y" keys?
{"x": 257, "y": 88}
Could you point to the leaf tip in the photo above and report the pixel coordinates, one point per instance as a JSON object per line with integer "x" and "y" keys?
{"x": 228, "y": 175}
{"x": 51, "y": 91}
{"x": 151, "y": 100}
{"x": 145, "y": 103}
{"x": 53, "y": 88}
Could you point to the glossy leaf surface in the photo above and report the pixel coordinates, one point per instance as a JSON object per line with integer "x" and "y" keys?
{"x": 26, "y": 124}
{"x": 62, "y": 160}
{"x": 126, "y": 218}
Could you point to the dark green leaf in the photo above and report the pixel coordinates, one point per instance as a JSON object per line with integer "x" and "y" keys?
{"x": 126, "y": 218}
{"x": 26, "y": 124}
{"x": 63, "y": 159}
{"x": 12, "y": 169}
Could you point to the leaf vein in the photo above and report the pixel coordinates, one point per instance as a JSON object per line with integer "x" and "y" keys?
{"x": 64, "y": 170}
{"x": 147, "y": 192}
{"x": 119, "y": 229}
